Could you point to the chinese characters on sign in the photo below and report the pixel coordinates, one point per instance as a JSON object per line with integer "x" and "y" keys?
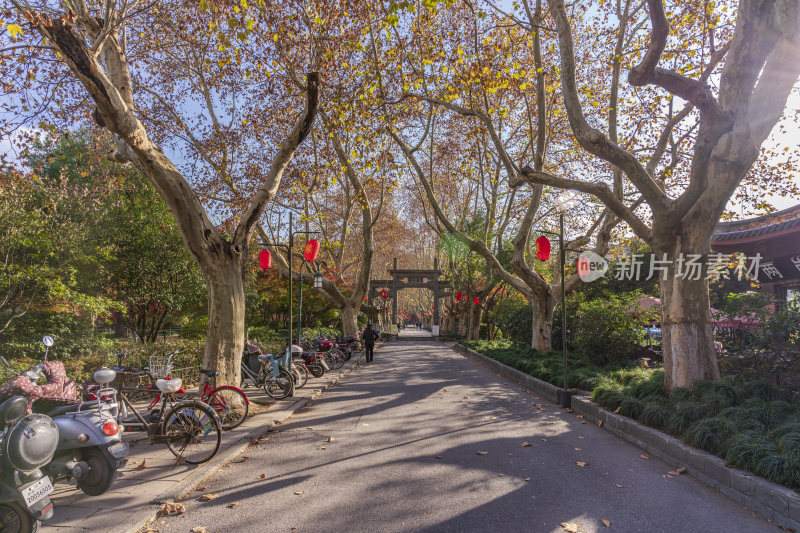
{"x": 690, "y": 267}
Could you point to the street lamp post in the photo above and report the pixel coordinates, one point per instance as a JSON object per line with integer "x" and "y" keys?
{"x": 300, "y": 304}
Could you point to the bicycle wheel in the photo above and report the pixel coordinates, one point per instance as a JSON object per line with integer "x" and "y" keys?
{"x": 357, "y": 347}
{"x": 192, "y": 432}
{"x": 334, "y": 359}
{"x": 280, "y": 387}
{"x": 230, "y": 404}
{"x": 302, "y": 373}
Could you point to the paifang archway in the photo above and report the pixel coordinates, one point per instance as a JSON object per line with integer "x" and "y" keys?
{"x": 414, "y": 279}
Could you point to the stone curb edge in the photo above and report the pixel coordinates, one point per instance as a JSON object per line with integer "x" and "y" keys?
{"x": 548, "y": 390}
{"x": 186, "y": 485}
{"x": 772, "y": 501}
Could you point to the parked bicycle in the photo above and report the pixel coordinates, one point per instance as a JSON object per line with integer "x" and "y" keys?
{"x": 272, "y": 373}
{"x": 191, "y": 429}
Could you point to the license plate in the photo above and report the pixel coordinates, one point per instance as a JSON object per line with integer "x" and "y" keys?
{"x": 119, "y": 450}
{"x": 36, "y": 491}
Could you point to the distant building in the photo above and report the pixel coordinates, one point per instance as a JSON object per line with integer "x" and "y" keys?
{"x": 777, "y": 238}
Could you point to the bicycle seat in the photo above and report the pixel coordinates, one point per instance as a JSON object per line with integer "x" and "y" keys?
{"x": 169, "y": 386}
{"x": 265, "y": 357}
{"x": 209, "y": 373}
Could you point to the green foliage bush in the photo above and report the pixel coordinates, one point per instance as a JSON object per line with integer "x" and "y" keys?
{"x": 514, "y": 317}
{"x": 607, "y": 330}
{"x": 710, "y": 434}
{"x": 195, "y": 328}
{"x": 582, "y": 374}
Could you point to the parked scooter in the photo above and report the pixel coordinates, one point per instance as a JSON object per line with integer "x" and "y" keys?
{"x": 90, "y": 447}
{"x": 27, "y": 443}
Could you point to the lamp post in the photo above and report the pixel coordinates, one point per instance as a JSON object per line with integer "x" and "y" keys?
{"x": 565, "y": 394}
{"x": 309, "y": 254}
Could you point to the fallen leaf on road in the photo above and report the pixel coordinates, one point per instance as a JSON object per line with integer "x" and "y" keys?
{"x": 262, "y": 476}
{"x": 429, "y": 512}
{"x": 580, "y": 437}
{"x": 330, "y": 438}
{"x": 577, "y": 449}
{"x": 578, "y": 416}
{"x": 645, "y": 456}
{"x": 544, "y": 440}
{"x": 299, "y": 492}
{"x": 568, "y": 410}
{"x": 617, "y": 410}
{"x": 482, "y": 453}
{"x": 142, "y": 466}
{"x": 171, "y": 508}
{"x": 364, "y": 424}
{"x": 569, "y": 527}
{"x": 681, "y": 470}
{"x": 200, "y": 529}
{"x": 606, "y": 523}
{"x": 201, "y": 488}
{"x": 242, "y": 459}
{"x": 500, "y": 475}
{"x": 310, "y": 427}
{"x": 493, "y": 418}
{"x": 526, "y": 444}
{"x": 208, "y": 497}
{"x": 581, "y": 464}
{"x": 674, "y": 473}
{"x": 233, "y": 505}
{"x": 600, "y": 423}
{"x": 253, "y": 442}
{"x": 619, "y": 486}
{"x": 321, "y": 448}
{"x": 527, "y": 479}
{"x": 438, "y": 456}
{"x": 149, "y": 530}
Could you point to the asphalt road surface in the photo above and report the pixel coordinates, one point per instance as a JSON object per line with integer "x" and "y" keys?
{"x": 425, "y": 439}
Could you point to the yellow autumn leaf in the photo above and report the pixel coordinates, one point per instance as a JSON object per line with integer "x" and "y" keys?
{"x": 14, "y": 29}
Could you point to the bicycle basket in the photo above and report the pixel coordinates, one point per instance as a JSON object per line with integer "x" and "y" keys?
{"x": 159, "y": 366}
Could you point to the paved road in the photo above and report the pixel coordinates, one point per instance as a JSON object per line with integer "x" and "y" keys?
{"x": 425, "y": 439}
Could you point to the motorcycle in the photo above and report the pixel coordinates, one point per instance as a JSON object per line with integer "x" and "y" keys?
{"x": 90, "y": 447}
{"x": 27, "y": 444}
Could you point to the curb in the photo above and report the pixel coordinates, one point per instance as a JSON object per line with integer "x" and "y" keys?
{"x": 543, "y": 388}
{"x": 203, "y": 472}
{"x": 770, "y": 500}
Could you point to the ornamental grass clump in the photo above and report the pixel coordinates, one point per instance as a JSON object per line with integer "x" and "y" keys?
{"x": 710, "y": 434}
{"x": 744, "y": 450}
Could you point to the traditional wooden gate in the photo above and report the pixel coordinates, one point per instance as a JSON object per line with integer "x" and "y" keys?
{"x": 414, "y": 279}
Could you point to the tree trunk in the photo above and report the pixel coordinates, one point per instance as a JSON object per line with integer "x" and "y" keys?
{"x": 542, "y": 322}
{"x": 226, "y": 308}
{"x": 349, "y": 319}
{"x": 475, "y": 315}
{"x": 463, "y": 323}
{"x": 687, "y": 338}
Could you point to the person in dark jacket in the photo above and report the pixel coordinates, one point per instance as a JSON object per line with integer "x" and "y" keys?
{"x": 369, "y": 336}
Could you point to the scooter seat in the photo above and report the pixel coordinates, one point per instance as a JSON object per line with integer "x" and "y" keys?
{"x": 169, "y": 386}
{"x": 64, "y": 409}
{"x": 265, "y": 357}
{"x": 209, "y": 373}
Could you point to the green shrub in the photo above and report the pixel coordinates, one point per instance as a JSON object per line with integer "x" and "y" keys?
{"x": 713, "y": 402}
{"x": 743, "y": 419}
{"x": 680, "y": 394}
{"x": 684, "y": 415}
{"x": 710, "y": 434}
{"x": 631, "y": 407}
{"x": 789, "y": 445}
{"x": 746, "y": 449}
{"x": 195, "y": 328}
{"x": 654, "y": 415}
{"x": 515, "y": 317}
{"x": 777, "y": 468}
{"x": 607, "y": 331}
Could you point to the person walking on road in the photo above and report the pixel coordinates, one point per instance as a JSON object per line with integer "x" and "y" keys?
{"x": 369, "y": 336}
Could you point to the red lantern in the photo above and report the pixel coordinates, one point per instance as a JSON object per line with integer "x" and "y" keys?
{"x": 311, "y": 251}
{"x": 365, "y": 298}
{"x": 383, "y": 294}
{"x": 458, "y": 296}
{"x": 265, "y": 259}
{"x": 543, "y": 248}
{"x": 477, "y": 300}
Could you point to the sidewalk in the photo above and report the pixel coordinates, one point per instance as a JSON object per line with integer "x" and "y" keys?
{"x": 137, "y": 491}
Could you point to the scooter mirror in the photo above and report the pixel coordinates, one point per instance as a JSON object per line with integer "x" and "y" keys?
{"x": 47, "y": 341}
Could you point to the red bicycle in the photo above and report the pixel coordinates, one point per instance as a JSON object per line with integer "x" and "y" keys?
{"x": 230, "y": 403}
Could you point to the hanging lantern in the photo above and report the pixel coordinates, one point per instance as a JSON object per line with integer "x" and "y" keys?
{"x": 365, "y": 298}
{"x": 543, "y": 248}
{"x": 458, "y": 296}
{"x": 265, "y": 260}
{"x": 311, "y": 251}
{"x": 383, "y": 294}
{"x": 477, "y": 300}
